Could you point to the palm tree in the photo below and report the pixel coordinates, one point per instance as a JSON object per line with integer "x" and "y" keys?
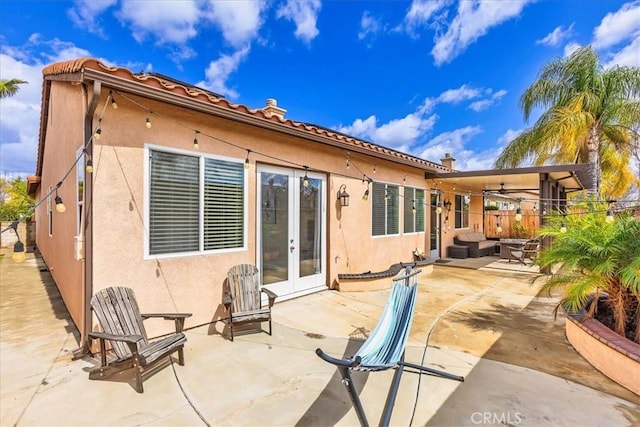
{"x": 597, "y": 258}
{"x": 589, "y": 118}
{"x": 10, "y": 87}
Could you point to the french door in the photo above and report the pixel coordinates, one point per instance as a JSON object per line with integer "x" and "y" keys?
{"x": 291, "y": 221}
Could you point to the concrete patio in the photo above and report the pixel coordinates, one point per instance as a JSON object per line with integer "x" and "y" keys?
{"x": 487, "y": 324}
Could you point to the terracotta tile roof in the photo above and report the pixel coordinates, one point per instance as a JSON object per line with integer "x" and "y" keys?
{"x": 156, "y": 81}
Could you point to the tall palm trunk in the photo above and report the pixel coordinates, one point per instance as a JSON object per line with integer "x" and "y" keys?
{"x": 593, "y": 156}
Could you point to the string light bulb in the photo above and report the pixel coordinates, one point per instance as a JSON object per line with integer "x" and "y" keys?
{"x": 114, "y": 104}
{"x": 609, "y": 218}
{"x": 499, "y": 228}
{"x": 365, "y": 196}
{"x": 60, "y": 207}
{"x": 246, "y": 160}
{"x": 413, "y": 207}
{"x": 563, "y": 227}
{"x": 518, "y": 214}
{"x": 305, "y": 180}
{"x": 97, "y": 134}
{"x": 439, "y": 208}
{"x": 89, "y": 166}
{"x": 195, "y": 141}
{"x": 148, "y": 123}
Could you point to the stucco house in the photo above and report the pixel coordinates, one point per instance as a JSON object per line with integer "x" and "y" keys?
{"x": 166, "y": 186}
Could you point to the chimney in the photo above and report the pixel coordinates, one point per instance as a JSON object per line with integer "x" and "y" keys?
{"x": 272, "y": 109}
{"x": 448, "y": 161}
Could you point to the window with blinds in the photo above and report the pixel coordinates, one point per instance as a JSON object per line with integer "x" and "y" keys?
{"x": 223, "y": 204}
{"x": 462, "y": 211}
{"x": 190, "y": 214}
{"x": 414, "y": 209}
{"x": 385, "y": 209}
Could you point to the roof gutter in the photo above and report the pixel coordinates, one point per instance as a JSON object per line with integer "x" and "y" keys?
{"x": 129, "y": 86}
{"x": 87, "y": 232}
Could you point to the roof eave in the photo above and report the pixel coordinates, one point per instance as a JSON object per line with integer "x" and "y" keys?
{"x": 273, "y": 124}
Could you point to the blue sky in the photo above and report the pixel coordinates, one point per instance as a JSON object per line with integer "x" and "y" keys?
{"x": 423, "y": 77}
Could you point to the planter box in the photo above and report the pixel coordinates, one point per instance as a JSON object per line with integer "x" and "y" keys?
{"x": 616, "y": 357}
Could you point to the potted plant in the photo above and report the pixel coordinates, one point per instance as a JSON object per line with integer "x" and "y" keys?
{"x": 599, "y": 266}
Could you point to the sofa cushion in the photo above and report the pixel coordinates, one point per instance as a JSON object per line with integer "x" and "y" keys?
{"x": 471, "y": 237}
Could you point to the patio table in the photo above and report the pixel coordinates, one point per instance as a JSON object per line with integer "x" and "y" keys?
{"x": 506, "y": 243}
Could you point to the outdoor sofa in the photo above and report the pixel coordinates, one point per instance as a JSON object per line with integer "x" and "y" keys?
{"x": 477, "y": 243}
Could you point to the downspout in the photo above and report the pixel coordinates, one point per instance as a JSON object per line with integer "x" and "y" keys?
{"x": 87, "y": 285}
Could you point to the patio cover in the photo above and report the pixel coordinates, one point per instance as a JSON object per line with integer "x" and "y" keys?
{"x": 550, "y": 182}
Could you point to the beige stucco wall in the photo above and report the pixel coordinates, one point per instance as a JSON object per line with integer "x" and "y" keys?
{"x": 194, "y": 283}
{"x": 476, "y": 216}
{"x": 63, "y": 138}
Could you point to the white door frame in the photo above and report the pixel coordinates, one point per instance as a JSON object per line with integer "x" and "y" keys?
{"x": 436, "y": 222}
{"x": 294, "y": 285}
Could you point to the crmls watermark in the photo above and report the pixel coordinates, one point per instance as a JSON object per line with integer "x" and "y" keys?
{"x": 503, "y": 418}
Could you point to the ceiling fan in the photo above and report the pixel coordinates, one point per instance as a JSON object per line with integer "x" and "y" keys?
{"x": 502, "y": 192}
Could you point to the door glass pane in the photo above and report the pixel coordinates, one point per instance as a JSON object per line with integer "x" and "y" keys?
{"x": 433, "y": 230}
{"x": 310, "y": 227}
{"x": 275, "y": 227}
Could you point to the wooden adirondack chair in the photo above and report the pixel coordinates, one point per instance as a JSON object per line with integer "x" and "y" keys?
{"x": 527, "y": 252}
{"x": 120, "y": 318}
{"x": 242, "y": 298}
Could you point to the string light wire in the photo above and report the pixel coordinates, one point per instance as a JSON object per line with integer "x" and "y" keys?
{"x": 553, "y": 202}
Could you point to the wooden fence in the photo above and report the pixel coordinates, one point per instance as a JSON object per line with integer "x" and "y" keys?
{"x": 528, "y": 226}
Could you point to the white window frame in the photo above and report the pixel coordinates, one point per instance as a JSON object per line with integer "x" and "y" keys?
{"x": 410, "y": 201}
{"x": 50, "y": 212}
{"x": 147, "y": 188}
{"x": 386, "y": 201}
{"x": 458, "y": 214}
{"x": 81, "y": 177}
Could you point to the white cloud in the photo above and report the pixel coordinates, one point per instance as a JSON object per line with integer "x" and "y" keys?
{"x": 454, "y": 142}
{"x": 628, "y": 56}
{"x": 455, "y": 96}
{"x": 360, "y": 128}
{"x": 421, "y": 13}
{"x": 369, "y": 26}
{"x": 480, "y": 105}
{"x": 86, "y": 12}
{"x": 508, "y": 136}
{"x": 557, "y": 36}
{"x": 404, "y": 133}
{"x": 483, "y": 104}
{"x": 218, "y": 72}
{"x": 397, "y": 134}
{"x": 462, "y": 94}
{"x": 169, "y": 21}
{"x": 240, "y": 21}
{"x": 618, "y": 26}
{"x": 570, "y": 48}
{"x": 20, "y": 114}
{"x": 304, "y": 13}
{"x": 474, "y": 19}
{"x": 20, "y": 117}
